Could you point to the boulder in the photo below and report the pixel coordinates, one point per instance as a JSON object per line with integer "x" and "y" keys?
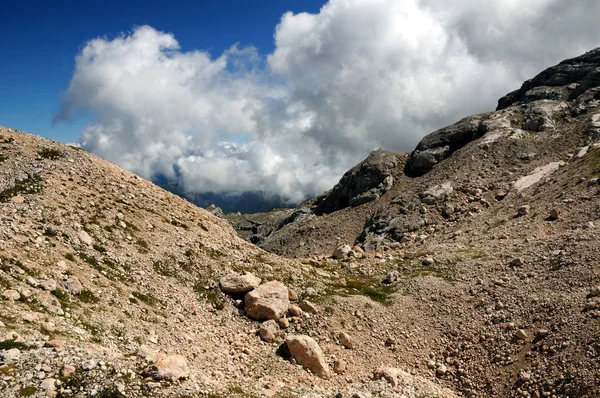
{"x": 84, "y": 237}
{"x": 171, "y": 368}
{"x": 341, "y": 252}
{"x": 307, "y": 353}
{"x": 239, "y": 284}
{"x": 268, "y": 301}
{"x": 365, "y": 182}
{"x": 11, "y": 295}
{"x": 436, "y": 194}
{"x": 268, "y": 330}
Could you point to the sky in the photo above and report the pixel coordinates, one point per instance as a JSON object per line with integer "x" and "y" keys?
{"x": 280, "y": 97}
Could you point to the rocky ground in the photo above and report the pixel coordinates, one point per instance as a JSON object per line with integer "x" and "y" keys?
{"x": 467, "y": 268}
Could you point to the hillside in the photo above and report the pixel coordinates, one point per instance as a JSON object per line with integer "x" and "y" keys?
{"x": 468, "y": 268}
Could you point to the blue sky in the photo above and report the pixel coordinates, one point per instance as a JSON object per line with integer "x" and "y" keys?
{"x": 39, "y": 40}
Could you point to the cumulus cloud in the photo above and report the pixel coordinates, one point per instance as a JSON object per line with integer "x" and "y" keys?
{"x": 356, "y": 76}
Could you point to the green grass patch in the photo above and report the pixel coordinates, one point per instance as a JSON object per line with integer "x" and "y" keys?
{"x": 28, "y": 391}
{"x": 30, "y": 186}
{"x": 10, "y": 344}
{"x": 146, "y": 298}
{"x": 60, "y": 294}
{"x": 70, "y": 257}
{"x": 213, "y": 296}
{"x": 86, "y": 296}
{"x": 48, "y": 153}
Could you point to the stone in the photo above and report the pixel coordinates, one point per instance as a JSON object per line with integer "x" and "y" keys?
{"x": 32, "y": 282}
{"x": 309, "y": 307}
{"x": 11, "y": 356}
{"x": 345, "y": 340}
{"x": 17, "y": 199}
{"x": 268, "y": 301}
{"x": 171, "y": 368}
{"x": 11, "y": 295}
{"x": 307, "y": 353}
{"x": 283, "y": 323}
{"x": 339, "y": 366}
{"x": 441, "y": 369}
{"x": 522, "y": 335}
{"x": 89, "y": 364}
{"x": 517, "y": 262}
{"x": 391, "y": 277}
{"x": 239, "y": 284}
{"x": 268, "y": 330}
{"x": 393, "y": 376}
{"x": 73, "y": 285}
{"x": 436, "y": 194}
{"x": 554, "y": 214}
{"x": 84, "y": 237}
{"x": 292, "y": 295}
{"x": 147, "y": 353}
{"x": 55, "y": 343}
{"x": 67, "y": 370}
{"x": 428, "y": 261}
{"x": 48, "y": 284}
{"x": 294, "y": 310}
{"x": 365, "y": 182}
{"x": 341, "y": 252}
{"x": 49, "y": 384}
{"x": 523, "y": 210}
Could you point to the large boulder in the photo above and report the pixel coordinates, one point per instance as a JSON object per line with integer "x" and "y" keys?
{"x": 307, "y": 353}
{"x": 239, "y": 284}
{"x": 268, "y": 301}
{"x": 440, "y": 144}
{"x": 363, "y": 183}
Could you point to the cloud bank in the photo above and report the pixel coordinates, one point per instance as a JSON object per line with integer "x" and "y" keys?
{"x": 359, "y": 75}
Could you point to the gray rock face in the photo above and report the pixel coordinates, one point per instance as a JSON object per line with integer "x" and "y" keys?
{"x": 363, "y": 183}
{"x": 442, "y": 143}
{"x": 565, "y": 81}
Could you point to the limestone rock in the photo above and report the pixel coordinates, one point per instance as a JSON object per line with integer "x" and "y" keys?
{"x": 341, "y": 252}
{"x": 11, "y": 295}
{"x": 345, "y": 340}
{"x": 73, "y": 285}
{"x": 268, "y": 330}
{"x": 171, "y": 368}
{"x": 307, "y": 353}
{"x": 84, "y": 237}
{"x": 239, "y": 284}
{"x": 268, "y": 301}
{"x": 309, "y": 307}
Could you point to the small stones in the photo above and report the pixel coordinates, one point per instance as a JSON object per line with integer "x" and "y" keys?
{"x": 268, "y": 330}
{"x": 307, "y": 353}
{"x": 523, "y": 210}
{"x": 239, "y": 284}
{"x": 524, "y": 376}
{"x": 309, "y": 307}
{"x": 11, "y": 295}
{"x": 341, "y": 252}
{"x": 345, "y": 340}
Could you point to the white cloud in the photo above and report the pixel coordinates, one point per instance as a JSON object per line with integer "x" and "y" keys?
{"x": 356, "y": 76}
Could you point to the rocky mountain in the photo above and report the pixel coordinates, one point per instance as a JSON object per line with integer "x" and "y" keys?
{"x": 468, "y": 268}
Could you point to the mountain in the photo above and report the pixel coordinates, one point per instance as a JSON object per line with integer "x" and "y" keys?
{"x": 467, "y": 268}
